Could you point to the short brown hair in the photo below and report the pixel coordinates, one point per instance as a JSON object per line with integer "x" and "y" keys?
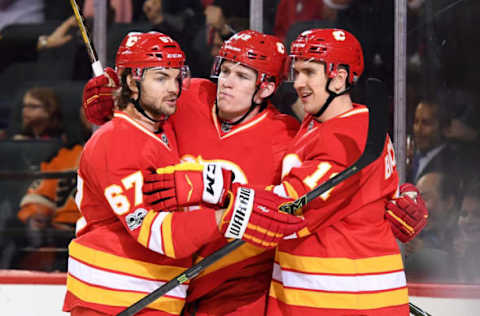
{"x": 51, "y": 102}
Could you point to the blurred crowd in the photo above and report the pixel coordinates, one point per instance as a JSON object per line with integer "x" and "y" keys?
{"x": 44, "y": 67}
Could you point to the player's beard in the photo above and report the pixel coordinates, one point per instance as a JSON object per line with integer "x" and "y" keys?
{"x": 158, "y": 110}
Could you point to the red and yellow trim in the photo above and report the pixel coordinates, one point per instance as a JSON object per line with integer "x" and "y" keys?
{"x": 356, "y": 301}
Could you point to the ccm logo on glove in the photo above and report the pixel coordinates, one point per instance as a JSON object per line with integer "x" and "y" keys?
{"x": 213, "y": 184}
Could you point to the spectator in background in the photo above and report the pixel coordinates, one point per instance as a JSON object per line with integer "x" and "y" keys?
{"x": 429, "y": 255}
{"x": 222, "y": 20}
{"x": 463, "y": 128}
{"x": 432, "y": 152}
{"x": 48, "y": 210}
{"x": 122, "y": 8}
{"x": 290, "y": 12}
{"x": 42, "y": 117}
{"x": 179, "y": 21}
{"x": 467, "y": 240}
{"x": 17, "y": 48}
{"x": 21, "y": 12}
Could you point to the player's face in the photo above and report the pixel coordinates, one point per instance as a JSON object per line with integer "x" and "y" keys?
{"x": 426, "y": 128}
{"x": 310, "y": 81}
{"x": 236, "y": 86}
{"x": 160, "y": 87}
{"x": 34, "y": 112}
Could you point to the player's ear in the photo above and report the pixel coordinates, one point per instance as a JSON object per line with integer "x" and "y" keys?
{"x": 339, "y": 82}
{"x": 266, "y": 90}
{"x": 132, "y": 84}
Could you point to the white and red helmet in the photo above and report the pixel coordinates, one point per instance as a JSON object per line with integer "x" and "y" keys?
{"x": 265, "y": 54}
{"x": 140, "y": 51}
{"x": 334, "y": 47}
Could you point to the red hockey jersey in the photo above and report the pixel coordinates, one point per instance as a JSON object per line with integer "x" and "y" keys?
{"x": 253, "y": 151}
{"x": 123, "y": 250}
{"x": 346, "y": 262}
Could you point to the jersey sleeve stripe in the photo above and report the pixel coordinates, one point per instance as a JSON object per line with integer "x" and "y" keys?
{"x": 167, "y": 236}
{"x": 156, "y": 239}
{"x": 145, "y": 230}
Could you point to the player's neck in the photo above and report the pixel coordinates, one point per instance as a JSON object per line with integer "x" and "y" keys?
{"x": 339, "y": 105}
{"x": 225, "y": 117}
{"x": 142, "y": 120}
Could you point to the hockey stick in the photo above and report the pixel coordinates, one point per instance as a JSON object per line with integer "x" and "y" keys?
{"x": 96, "y": 65}
{"x": 373, "y": 149}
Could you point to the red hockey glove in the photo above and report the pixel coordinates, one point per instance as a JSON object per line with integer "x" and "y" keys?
{"x": 407, "y": 214}
{"x": 186, "y": 184}
{"x": 253, "y": 215}
{"x": 98, "y": 96}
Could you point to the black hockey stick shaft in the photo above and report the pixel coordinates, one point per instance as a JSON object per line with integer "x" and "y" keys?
{"x": 189, "y": 274}
{"x": 417, "y": 311}
{"x": 96, "y": 65}
{"x": 373, "y": 149}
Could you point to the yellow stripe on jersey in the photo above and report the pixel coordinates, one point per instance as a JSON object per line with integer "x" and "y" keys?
{"x": 167, "y": 236}
{"x": 112, "y": 262}
{"x": 243, "y": 252}
{"x": 97, "y": 295}
{"x": 356, "y": 301}
{"x": 290, "y": 190}
{"x": 263, "y": 230}
{"x": 145, "y": 229}
{"x": 184, "y": 166}
{"x": 340, "y": 265}
{"x": 259, "y": 241}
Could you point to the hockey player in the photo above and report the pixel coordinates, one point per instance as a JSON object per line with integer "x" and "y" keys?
{"x": 347, "y": 260}
{"x": 244, "y": 136}
{"x": 237, "y": 125}
{"x": 124, "y": 249}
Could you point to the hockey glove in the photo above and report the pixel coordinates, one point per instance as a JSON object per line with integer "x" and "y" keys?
{"x": 98, "y": 96}
{"x": 253, "y": 215}
{"x": 186, "y": 184}
{"x": 407, "y": 214}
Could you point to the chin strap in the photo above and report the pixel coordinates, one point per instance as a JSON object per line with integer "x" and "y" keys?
{"x": 139, "y": 108}
{"x": 332, "y": 95}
